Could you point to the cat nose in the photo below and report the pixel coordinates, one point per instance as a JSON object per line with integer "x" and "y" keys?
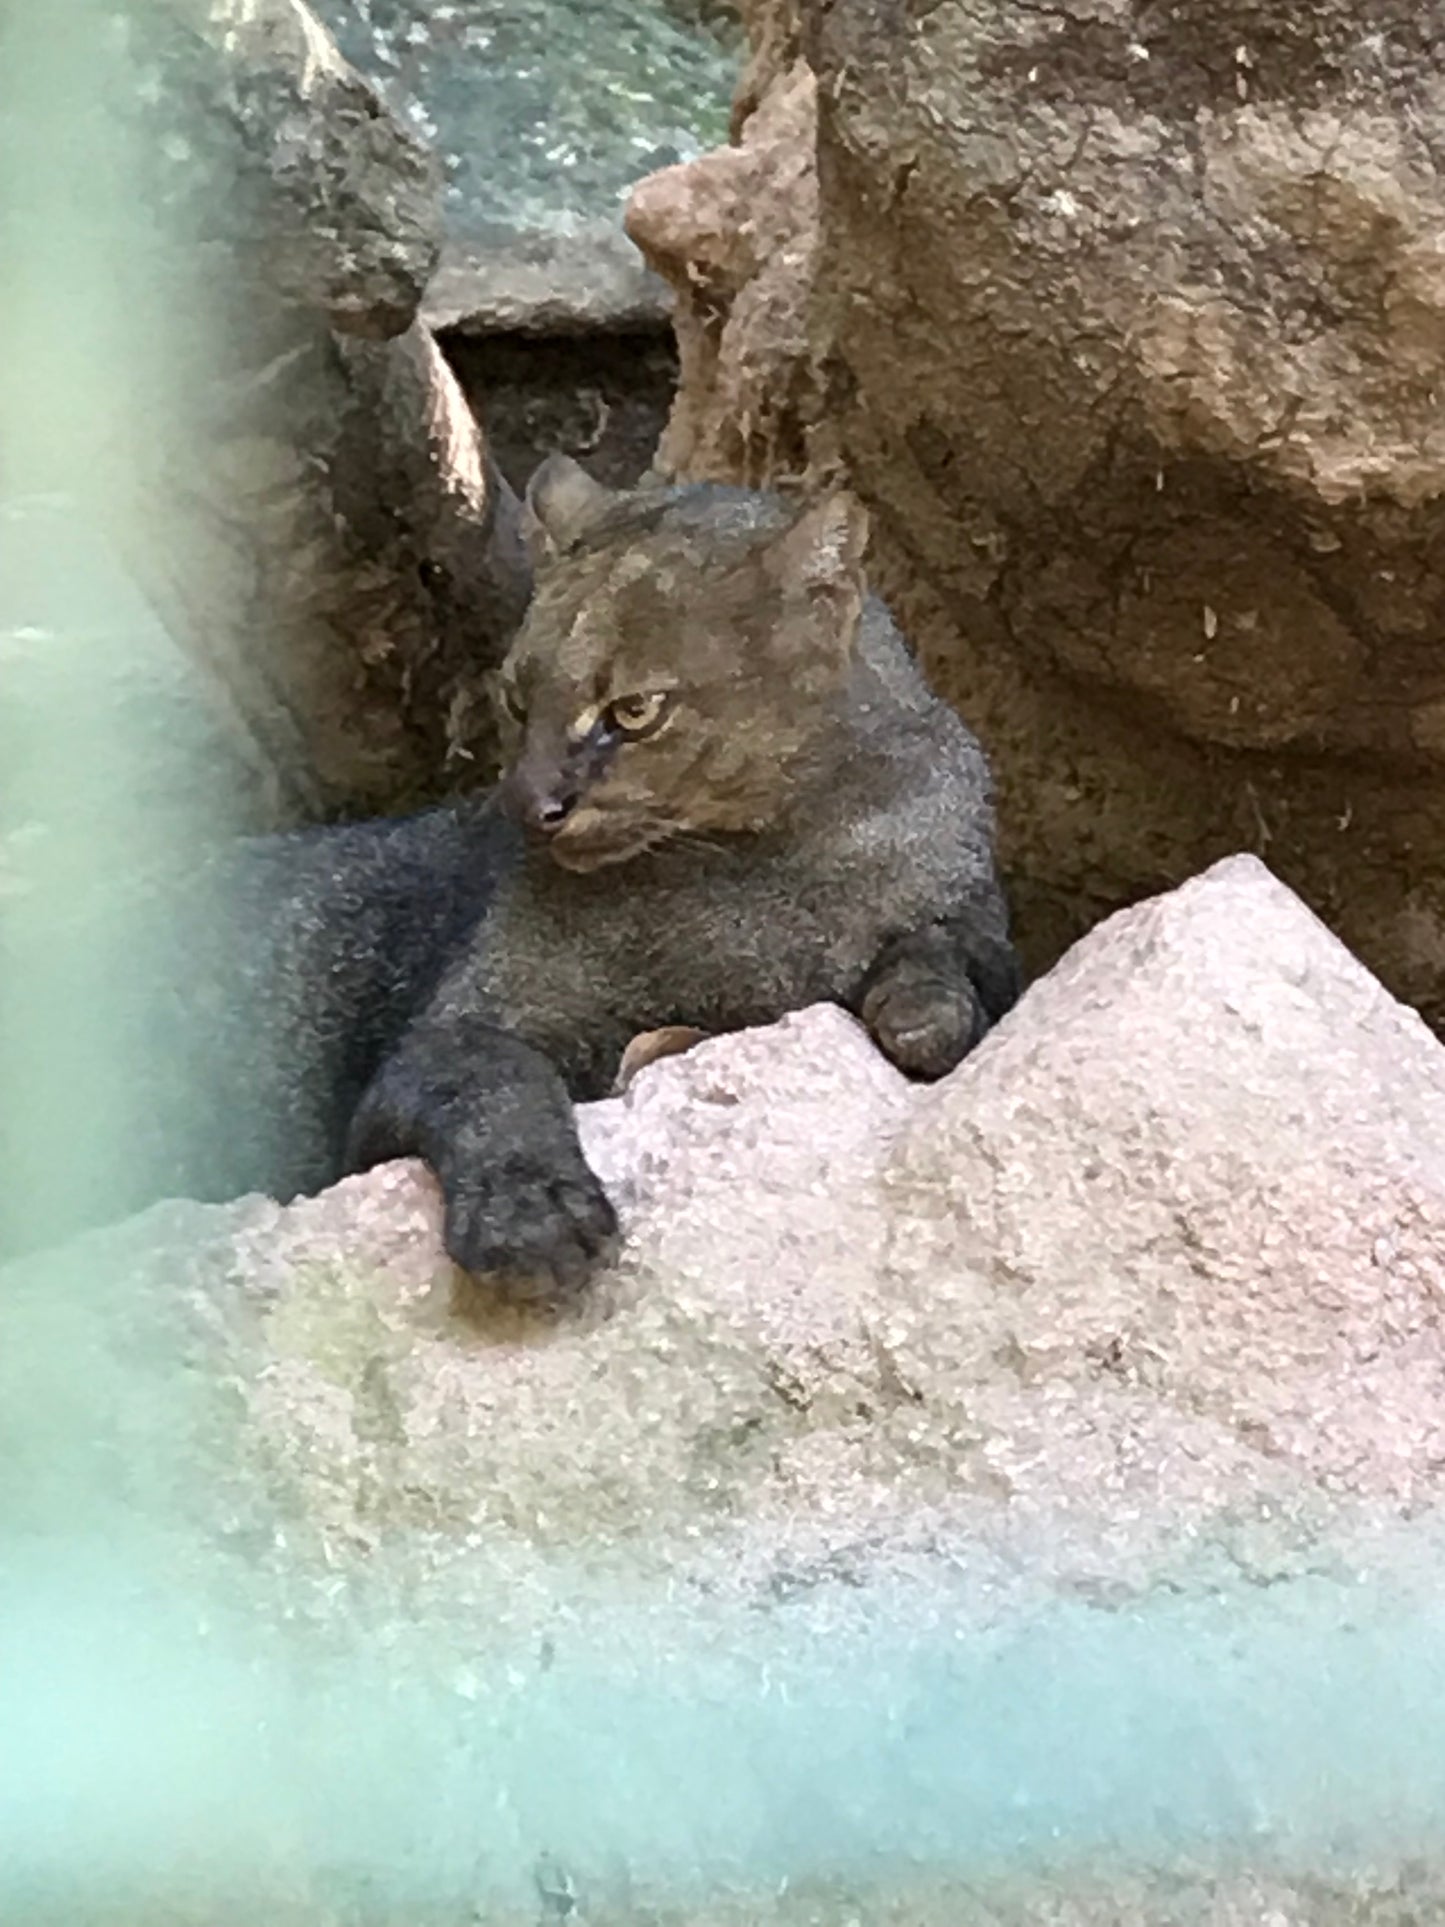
{"x": 546, "y": 808}
{"x": 551, "y": 812}
{"x": 541, "y": 797}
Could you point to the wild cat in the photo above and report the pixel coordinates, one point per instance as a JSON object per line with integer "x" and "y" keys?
{"x": 730, "y": 794}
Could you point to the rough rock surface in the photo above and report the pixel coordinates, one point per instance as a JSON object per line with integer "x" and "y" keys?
{"x": 1155, "y": 1280}
{"x": 311, "y": 503}
{"x": 346, "y": 561}
{"x": 1125, "y": 322}
{"x": 328, "y": 199}
{"x": 735, "y": 235}
{"x": 1140, "y": 1310}
{"x": 544, "y": 111}
{"x": 1135, "y": 310}
{"x": 583, "y": 282}
{"x": 1165, "y": 1259}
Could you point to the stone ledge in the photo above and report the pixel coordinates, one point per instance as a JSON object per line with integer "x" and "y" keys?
{"x": 590, "y": 280}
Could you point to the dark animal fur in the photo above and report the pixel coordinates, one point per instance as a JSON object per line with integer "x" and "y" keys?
{"x": 812, "y": 824}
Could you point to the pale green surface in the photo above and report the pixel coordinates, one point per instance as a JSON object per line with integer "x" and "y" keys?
{"x": 159, "y": 1753}
{"x": 544, "y": 110}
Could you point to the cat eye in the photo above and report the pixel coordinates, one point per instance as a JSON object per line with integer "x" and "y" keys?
{"x": 637, "y": 715}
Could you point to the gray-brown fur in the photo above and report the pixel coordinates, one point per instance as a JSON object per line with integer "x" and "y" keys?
{"x": 810, "y": 823}
{"x": 804, "y": 821}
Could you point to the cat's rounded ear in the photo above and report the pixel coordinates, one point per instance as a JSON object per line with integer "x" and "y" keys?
{"x": 817, "y": 562}
{"x": 823, "y": 550}
{"x": 561, "y": 500}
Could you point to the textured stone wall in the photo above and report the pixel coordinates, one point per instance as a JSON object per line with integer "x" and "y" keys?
{"x": 1127, "y": 321}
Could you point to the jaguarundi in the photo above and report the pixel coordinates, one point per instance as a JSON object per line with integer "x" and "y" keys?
{"x": 730, "y": 794}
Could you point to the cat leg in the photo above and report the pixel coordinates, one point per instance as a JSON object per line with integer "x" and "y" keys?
{"x": 931, "y": 995}
{"x": 493, "y": 1119}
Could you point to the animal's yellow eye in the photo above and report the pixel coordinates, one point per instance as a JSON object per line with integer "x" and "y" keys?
{"x": 637, "y": 715}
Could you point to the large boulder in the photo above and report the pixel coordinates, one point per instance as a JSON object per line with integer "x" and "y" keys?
{"x": 1113, "y": 1360}
{"x": 1177, "y": 1228}
{"x": 282, "y": 453}
{"x": 265, "y": 143}
{"x": 1125, "y": 324}
{"x": 524, "y": 106}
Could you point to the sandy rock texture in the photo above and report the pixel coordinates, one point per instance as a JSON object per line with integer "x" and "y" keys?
{"x": 1096, "y": 1388}
{"x": 312, "y": 506}
{"x": 1150, "y": 1288}
{"x": 735, "y": 236}
{"x": 1124, "y": 324}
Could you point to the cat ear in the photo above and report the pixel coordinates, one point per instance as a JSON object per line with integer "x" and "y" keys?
{"x": 561, "y": 500}
{"x": 823, "y": 550}
{"x": 819, "y": 561}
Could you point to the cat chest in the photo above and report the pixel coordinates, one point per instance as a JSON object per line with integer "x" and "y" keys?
{"x": 721, "y": 951}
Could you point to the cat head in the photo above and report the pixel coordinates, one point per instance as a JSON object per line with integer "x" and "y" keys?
{"x": 685, "y": 651}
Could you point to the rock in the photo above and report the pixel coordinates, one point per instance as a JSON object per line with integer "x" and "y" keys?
{"x": 351, "y": 571}
{"x": 545, "y": 112}
{"x": 1115, "y": 1354}
{"x": 1203, "y": 1168}
{"x": 1122, "y": 327}
{"x": 297, "y": 480}
{"x": 522, "y": 103}
{"x": 1113, "y": 1359}
{"x": 586, "y": 281}
{"x": 1125, "y": 378}
{"x": 1164, "y": 1256}
{"x": 278, "y": 151}
{"x": 735, "y": 235}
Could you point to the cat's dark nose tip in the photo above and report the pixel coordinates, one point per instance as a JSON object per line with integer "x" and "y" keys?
{"x": 551, "y": 812}
{"x": 540, "y": 800}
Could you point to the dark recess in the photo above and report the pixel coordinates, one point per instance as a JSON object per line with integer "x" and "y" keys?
{"x": 603, "y": 398}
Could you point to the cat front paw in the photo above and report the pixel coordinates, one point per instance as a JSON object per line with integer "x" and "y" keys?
{"x": 535, "y": 1227}
{"x": 922, "y": 1023}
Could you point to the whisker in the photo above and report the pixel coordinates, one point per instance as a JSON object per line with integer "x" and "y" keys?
{"x": 659, "y": 831}
{"x": 653, "y": 833}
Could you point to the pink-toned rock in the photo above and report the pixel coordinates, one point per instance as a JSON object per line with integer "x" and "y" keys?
{"x": 1195, "y": 1196}
{"x": 1149, "y": 1290}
